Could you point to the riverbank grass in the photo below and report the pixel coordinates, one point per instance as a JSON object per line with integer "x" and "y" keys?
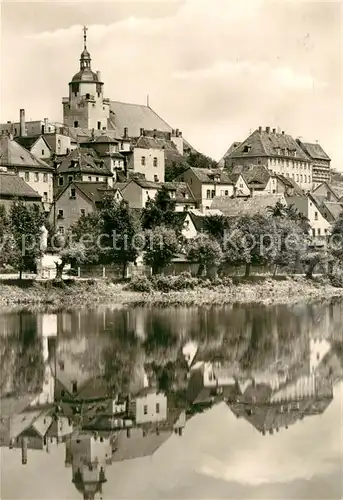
{"x": 90, "y": 293}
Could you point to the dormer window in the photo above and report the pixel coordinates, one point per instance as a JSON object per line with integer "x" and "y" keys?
{"x": 246, "y": 149}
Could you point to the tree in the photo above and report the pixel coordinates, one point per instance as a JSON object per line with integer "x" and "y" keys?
{"x": 277, "y": 210}
{"x": 206, "y": 251}
{"x": 310, "y": 260}
{"x": 337, "y": 239}
{"x": 199, "y": 160}
{"x": 161, "y": 246}
{"x": 159, "y": 211}
{"x": 87, "y": 230}
{"x": 121, "y": 226}
{"x": 246, "y": 241}
{"x": 175, "y": 169}
{"x": 73, "y": 253}
{"x": 25, "y": 223}
{"x": 215, "y": 226}
{"x": 289, "y": 242}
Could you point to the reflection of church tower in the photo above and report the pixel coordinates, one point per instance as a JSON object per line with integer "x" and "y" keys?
{"x": 86, "y": 106}
{"x": 88, "y": 456}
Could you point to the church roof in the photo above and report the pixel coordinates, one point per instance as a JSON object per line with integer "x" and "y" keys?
{"x": 12, "y": 154}
{"x": 135, "y": 117}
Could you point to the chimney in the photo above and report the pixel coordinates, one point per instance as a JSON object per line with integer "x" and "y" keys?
{"x": 169, "y": 136}
{"x": 268, "y": 130}
{"x": 126, "y": 132}
{"x": 22, "y": 127}
{"x": 173, "y": 132}
{"x": 274, "y": 130}
{"x": 180, "y": 431}
{"x": 98, "y": 74}
{"x": 180, "y": 133}
{"x": 154, "y": 133}
{"x": 142, "y": 131}
{"x": 46, "y": 127}
{"x": 92, "y": 136}
{"x": 260, "y": 129}
{"x": 177, "y": 132}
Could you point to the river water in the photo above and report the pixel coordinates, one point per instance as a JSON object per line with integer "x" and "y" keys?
{"x": 220, "y": 402}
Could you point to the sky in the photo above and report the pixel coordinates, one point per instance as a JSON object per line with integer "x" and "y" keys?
{"x": 218, "y": 456}
{"x": 215, "y": 69}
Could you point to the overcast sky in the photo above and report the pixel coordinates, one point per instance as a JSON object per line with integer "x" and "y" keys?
{"x": 215, "y": 69}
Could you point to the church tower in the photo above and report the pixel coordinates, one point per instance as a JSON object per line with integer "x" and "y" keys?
{"x": 86, "y": 106}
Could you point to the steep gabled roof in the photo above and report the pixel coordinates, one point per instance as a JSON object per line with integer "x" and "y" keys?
{"x": 183, "y": 193}
{"x": 206, "y": 175}
{"x": 83, "y": 160}
{"x": 314, "y": 150}
{"x": 12, "y": 155}
{"x": 233, "y": 146}
{"x": 13, "y": 186}
{"x": 28, "y": 141}
{"x": 262, "y": 143}
{"x": 334, "y": 208}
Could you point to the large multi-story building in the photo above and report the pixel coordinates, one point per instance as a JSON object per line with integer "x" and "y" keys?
{"x": 279, "y": 152}
{"x": 320, "y": 162}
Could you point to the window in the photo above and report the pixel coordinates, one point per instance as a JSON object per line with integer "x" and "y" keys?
{"x": 83, "y": 211}
{"x": 226, "y": 192}
{"x": 157, "y": 407}
{"x": 45, "y": 177}
{"x": 315, "y": 215}
{"x": 143, "y": 161}
{"x": 99, "y": 125}
{"x": 61, "y": 230}
{"x": 89, "y": 178}
{"x": 43, "y": 152}
{"x": 70, "y": 178}
{"x": 208, "y": 194}
{"x": 155, "y": 178}
{"x": 60, "y": 214}
{"x": 87, "y": 96}
{"x": 213, "y": 193}
{"x": 72, "y": 193}
{"x": 145, "y": 409}
{"x": 314, "y": 232}
{"x": 318, "y": 231}
{"x": 76, "y": 123}
{"x": 27, "y": 176}
{"x": 97, "y": 179}
{"x": 60, "y": 181}
{"x": 45, "y": 196}
{"x": 36, "y": 176}
{"x": 154, "y": 162}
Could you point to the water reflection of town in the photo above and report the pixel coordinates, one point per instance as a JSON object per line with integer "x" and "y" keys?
{"x": 102, "y": 412}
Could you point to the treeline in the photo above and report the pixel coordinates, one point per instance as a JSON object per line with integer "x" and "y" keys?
{"x": 117, "y": 234}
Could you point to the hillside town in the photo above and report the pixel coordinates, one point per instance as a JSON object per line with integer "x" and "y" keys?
{"x": 104, "y": 149}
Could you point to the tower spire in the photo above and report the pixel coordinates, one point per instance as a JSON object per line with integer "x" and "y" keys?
{"x": 85, "y": 29}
